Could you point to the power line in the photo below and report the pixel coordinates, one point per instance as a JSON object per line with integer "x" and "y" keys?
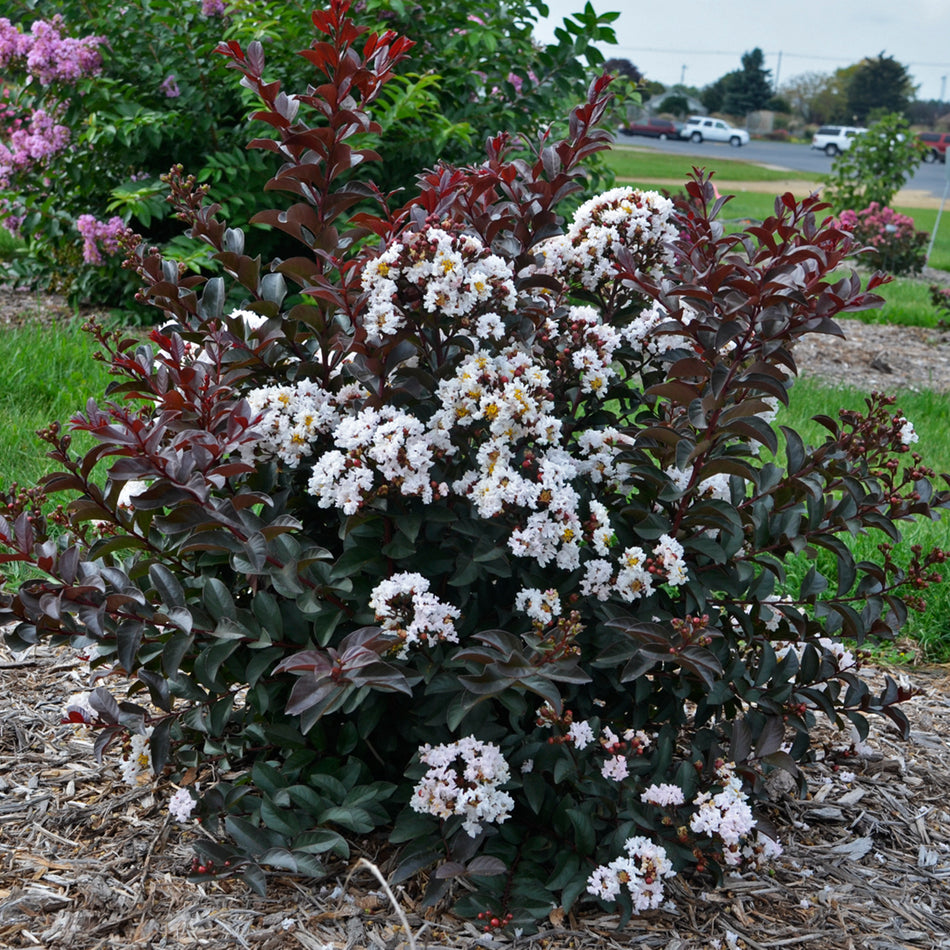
{"x": 736, "y": 53}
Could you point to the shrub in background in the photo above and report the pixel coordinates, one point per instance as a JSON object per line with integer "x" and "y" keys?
{"x": 454, "y": 527}
{"x": 876, "y": 166}
{"x": 940, "y": 298}
{"x": 888, "y": 238}
{"x": 134, "y": 87}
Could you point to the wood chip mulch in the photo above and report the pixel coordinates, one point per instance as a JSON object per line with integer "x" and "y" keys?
{"x": 87, "y": 862}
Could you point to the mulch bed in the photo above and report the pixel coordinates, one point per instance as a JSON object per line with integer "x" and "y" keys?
{"x": 86, "y": 862}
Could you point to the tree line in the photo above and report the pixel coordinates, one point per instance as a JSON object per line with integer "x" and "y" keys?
{"x": 857, "y": 94}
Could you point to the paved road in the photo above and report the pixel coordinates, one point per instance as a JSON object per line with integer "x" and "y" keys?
{"x": 928, "y": 178}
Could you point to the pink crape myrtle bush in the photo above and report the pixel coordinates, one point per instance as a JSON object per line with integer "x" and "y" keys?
{"x": 30, "y": 140}
{"x": 465, "y": 526}
{"x": 891, "y": 242}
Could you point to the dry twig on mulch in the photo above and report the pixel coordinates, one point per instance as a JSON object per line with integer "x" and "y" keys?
{"x": 87, "y": 862}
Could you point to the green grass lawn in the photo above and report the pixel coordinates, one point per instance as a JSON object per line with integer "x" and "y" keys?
{"x": 629, "y": 162}
{"x": 49, "y": 374}
{"x": 928, "y": 412}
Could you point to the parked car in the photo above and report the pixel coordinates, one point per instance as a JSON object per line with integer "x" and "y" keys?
{"x": 654, "y": 129}
{"x": 834, "y": 139}
{"x": 700, "y": 128}
{"x": 936, "y": 143}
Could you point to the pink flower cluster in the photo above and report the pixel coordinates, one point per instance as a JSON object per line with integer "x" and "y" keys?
{"x": 877, "y": 226}
{"x": 31, "y": 143}
{"x": 48, "y": 57}
{"x": 99, "y": 237}
{"x": 46, "y": 54}
{"x": 170, "y": 87}
{"x": 212, "y": 7}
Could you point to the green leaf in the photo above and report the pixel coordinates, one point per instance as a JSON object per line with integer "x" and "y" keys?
{"x": 209, "y": 662}
{"x": 411, "y": 825}
{"x": 563, "y": 767}
{"x": 254, "y": 877}
{"x": 166, "y": 585}
{"x": 217, "y": 599}
{"x": 251, "y": 838}
{"x": 321, "y": 841}
{"x": 486, "y": 866}
{"x": 282, "y": 820}
{"x": 267, "y": 778}
{"x": 128, "y": 641}
{"x": 356, "y": 820}
{"x": 535, "y": 790}
{"x": 813, "y": 584}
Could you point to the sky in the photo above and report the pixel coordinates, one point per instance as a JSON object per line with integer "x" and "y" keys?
{"x": 697, "y": 41}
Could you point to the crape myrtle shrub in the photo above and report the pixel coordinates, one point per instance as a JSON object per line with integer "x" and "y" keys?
{"x": 100, "y": 99}
{"x": 890, "y": 240}
{"x": 940, "y": 299}
{"x": 466, "y": 527}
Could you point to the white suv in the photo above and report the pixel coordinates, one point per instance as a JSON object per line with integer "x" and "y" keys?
{"x": 699, "y": 128}
{"x": 834, "y": 139}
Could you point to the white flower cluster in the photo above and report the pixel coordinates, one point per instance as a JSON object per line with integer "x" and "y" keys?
{"x": 585, "y": 347}
{"x": 506, "y": 397}
{"x": 728, "y": 815}
{"x": 615, "y": 768}
{"x": 542, "y": 606}
{"x": 182, "y": 804}
{"x": 628, "y": 218}
{"x": 641, "y": 870}
{"x": 406, "y": 608}
{"x": 502, "y": 402}
{"x": 581, "y": 734}
{"x": 663, "y": 795}
{"x": 139, "y": 760}
{"x": 464, "y": 778}
{"x": 635, "y": 575}
{"x": 455, "y": 275}
{"x": 599, "y": 450}
{"x": 293, "y": 417}
{"x": 907, "y": 433}
{"x": 388, "y": 442}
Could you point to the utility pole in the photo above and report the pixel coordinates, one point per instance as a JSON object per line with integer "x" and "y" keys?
{"x": 943, "y": 87}
{"x": 683, "y": 75}
{"x": 778, "y": 70}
